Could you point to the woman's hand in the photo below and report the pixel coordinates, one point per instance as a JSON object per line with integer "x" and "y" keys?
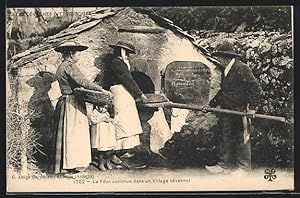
{"x": 108, "y": 93}
{"x": 144, "y": 98}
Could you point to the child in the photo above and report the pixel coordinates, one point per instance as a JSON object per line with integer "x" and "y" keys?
{"x": 103, "y": 137}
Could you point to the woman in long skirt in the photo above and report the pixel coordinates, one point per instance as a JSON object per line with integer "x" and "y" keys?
{"x": 72, "y": 139}
{"x": 126, "y": 92}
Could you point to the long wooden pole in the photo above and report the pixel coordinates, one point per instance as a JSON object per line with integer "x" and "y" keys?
{"x": 210, "y": 109}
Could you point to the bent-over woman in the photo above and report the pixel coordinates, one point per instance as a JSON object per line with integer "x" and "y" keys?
{"x": 126, "y": 92}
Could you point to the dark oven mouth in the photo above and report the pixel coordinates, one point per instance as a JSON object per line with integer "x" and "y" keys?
{"x": 146, "y": 84}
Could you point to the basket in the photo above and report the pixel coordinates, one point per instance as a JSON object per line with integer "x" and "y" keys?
{"x": 94, "y": 97}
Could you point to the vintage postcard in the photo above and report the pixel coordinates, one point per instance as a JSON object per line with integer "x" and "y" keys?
{"x": 150, "y": 99}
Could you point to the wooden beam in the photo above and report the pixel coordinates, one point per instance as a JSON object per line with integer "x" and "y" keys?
{"x": 142, "y": 29}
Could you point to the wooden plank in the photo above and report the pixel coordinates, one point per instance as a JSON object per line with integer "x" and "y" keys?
{"x": 102, "y": 16}
{"x": 28, "y": 59}
{"x": 142, "y": 29}
{"x": 77, "y": 29}
{"x": 59, "y": 40}
{"x": 21, "y": 57}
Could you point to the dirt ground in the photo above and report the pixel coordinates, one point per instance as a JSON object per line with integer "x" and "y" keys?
{"x": 153, "y": 179}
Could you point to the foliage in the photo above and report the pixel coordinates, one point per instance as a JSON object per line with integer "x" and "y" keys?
{"x": 191, "y": 147}
{"x": 269, "y": 55}
{"x": 20, "y": 137}
{"x": 229, "y": 19}
{"x": 272, "y": 144}
{"x": 30, "y": 29}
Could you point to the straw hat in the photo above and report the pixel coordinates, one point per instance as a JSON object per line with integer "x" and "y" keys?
{"x": 124, "y": 45}
{"x": 70, "y": 46}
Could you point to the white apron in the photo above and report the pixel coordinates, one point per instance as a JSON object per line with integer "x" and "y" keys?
{"x": 127, "y": 122}
{"x": 76, "y": 138}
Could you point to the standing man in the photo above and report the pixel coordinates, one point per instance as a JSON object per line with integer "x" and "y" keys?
{"x": 239, "y": 91}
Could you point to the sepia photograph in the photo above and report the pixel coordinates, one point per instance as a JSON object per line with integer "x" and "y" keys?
{"x": 149, "y": 99}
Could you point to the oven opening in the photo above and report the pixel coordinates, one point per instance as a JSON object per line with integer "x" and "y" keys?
{"x": 147, "y": 86}
{"x": 144, "y": 82}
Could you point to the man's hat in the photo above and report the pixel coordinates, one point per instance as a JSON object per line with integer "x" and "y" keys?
{"x": 124, "y": 45}
{"x": 225, "y": 49}
{"x": 70, "y": 46}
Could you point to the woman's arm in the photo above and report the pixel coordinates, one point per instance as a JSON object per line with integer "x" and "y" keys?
{"x": 120, "y": 70}
{"x": 74, "y": 73}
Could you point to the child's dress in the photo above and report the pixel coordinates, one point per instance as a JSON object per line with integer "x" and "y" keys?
{"x": 103, "y": 136}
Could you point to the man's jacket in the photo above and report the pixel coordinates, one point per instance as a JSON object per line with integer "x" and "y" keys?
{"x": 238, "y": 88}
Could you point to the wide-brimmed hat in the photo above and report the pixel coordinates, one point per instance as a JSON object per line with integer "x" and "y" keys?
{"x": 70, "y": 46}
{"x": 125, "y": 45}
{"x": 225, "y": 49}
